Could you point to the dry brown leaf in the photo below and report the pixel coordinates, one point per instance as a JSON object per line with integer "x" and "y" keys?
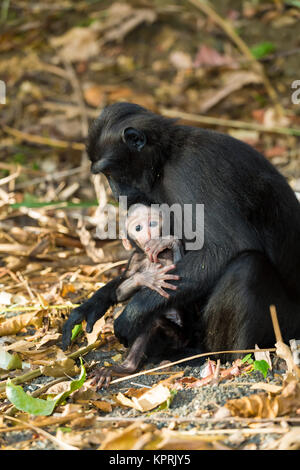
{"x": 59, "y": 388}
{"x": 97, "y": 329}
{"x": 84, "y": 421}
{"x": 16, "y": 324}
{"x": 81, "y": 439}
{"x": 232, "y": 81}
{"x": 290, "y": 441}
{"x": 60, "y": 368}
{"x": 170, "y": 380}
{"x": 122, "y": 19}
{"x": 66, "y": 289}
{"x": 283, "y": 351}
{"x": 128, "y": 438}
{"x": 77, "y": 44}
{"x": 85, "y": 393}
{"x": 21, "y": 346}
{"x": 148, "y": 400}
{"x": 49, "y": 340}
{"x": 102, "y": 405}
{"x": 94, "y": 95}
{"x": 270, "y": 388}
{"x": 263, "y": 406}
{"x": 174, "y": 440}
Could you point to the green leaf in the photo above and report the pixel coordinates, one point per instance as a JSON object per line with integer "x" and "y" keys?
{"x": 24, "y": 402}
{"x": 262, "y": 366}
{"x": 247, "y": 359}
{"x": 262, "y": 49}
{"x": 9, "y": 361}
{"x": 293, "y": 3}
{"x": 37, "y": 406}
{"x": 76, "y": 330}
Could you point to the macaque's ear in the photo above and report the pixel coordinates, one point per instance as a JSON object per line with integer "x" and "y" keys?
{"x": 126, "y": 243}
{"x": 134, "y": 138}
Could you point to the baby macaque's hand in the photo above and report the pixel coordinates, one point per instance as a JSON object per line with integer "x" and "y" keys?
{"x": 155, "y": 278}
{"x": 156, "y": 245}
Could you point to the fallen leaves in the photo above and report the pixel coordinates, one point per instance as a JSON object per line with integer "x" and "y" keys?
{"x": 145, "y": 436}
{"x": 268, "y": 406}
{"x": 147, "y": 400}
{"x": 36, "y": 406}
{"x": 17, "y": 323}
{"x": 209, "y": 376}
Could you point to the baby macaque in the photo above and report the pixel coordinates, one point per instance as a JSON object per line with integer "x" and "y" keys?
{"x": 144, "y": 230}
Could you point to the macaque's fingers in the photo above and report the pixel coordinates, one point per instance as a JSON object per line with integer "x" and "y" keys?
{"x": 91, "y": 320}
{"x": 165, "y": 269}
{"x": 170, "y": 277}
{"x": 100, "y": 376}
{"x": 157, "y": 289}
{"x": 154, "y": 247}
{"x": 168, "y": 286}
{"x": 100, "y": 382}
{"x": 108, "y": 380}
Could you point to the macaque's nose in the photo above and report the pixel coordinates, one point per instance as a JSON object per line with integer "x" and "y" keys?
{"x": 101, "y": 166}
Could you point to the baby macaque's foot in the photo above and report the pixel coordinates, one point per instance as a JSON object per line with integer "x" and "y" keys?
{"x": 103, "y": 375}
{"x": 155, "y": 278}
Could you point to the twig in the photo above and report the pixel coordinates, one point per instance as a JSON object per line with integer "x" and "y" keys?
{"x": 49, "y": 421}
{"x": 48, "y": 436}
{"x": 276, "y": 327}
{"x": 50, "y": 177}
{"x": 197, "y": 118}
{"x": 242, "y": 46}
{"x": 196, "y": 419}
{"x": 36, "y": 139}
{"x": 83, "y": 114}
{"x": 38, "y": 372}
{"x": 21, "y": 308}
{"x": 190, "y": 358}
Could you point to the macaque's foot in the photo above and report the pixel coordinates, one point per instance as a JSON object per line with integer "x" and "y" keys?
{"x": 103, "y": 375}
{"x": 155, "y": 278}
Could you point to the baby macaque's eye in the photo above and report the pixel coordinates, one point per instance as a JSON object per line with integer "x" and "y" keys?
{"x": 138, "y": 228}
{"x": 153, "y": 223}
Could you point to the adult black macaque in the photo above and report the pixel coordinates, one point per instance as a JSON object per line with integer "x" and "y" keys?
{"x": 251, "y": 253}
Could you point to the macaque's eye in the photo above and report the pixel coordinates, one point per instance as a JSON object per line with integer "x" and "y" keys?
{"x": 138, "y": 228}
{"x": 153, "y": 223}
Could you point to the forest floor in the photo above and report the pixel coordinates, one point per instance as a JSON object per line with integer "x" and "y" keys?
{"x": 229, "y": 69}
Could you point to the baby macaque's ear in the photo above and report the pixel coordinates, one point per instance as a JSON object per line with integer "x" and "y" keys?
{"x": 126, "y": 243}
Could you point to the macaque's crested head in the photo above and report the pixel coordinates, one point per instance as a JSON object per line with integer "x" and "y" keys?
{"x": 143, "y": 224}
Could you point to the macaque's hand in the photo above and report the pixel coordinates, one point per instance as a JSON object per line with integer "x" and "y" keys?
{"x": 156, "y": 245}
{"x": 155, "y": 278}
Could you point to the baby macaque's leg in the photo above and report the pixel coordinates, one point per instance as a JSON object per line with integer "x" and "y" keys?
{"x": 161, "y": 332}
{"x": 103, "y": 375}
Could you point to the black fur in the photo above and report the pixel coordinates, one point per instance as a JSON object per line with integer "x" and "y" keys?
{"x": 251, "y": 253}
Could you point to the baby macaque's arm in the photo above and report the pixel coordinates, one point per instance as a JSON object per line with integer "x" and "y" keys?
{"x": 155, "y": 246}
{"x": 154, "y": 277}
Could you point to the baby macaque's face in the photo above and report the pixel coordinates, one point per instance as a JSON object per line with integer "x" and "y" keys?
{"x": 143, "y": 224}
